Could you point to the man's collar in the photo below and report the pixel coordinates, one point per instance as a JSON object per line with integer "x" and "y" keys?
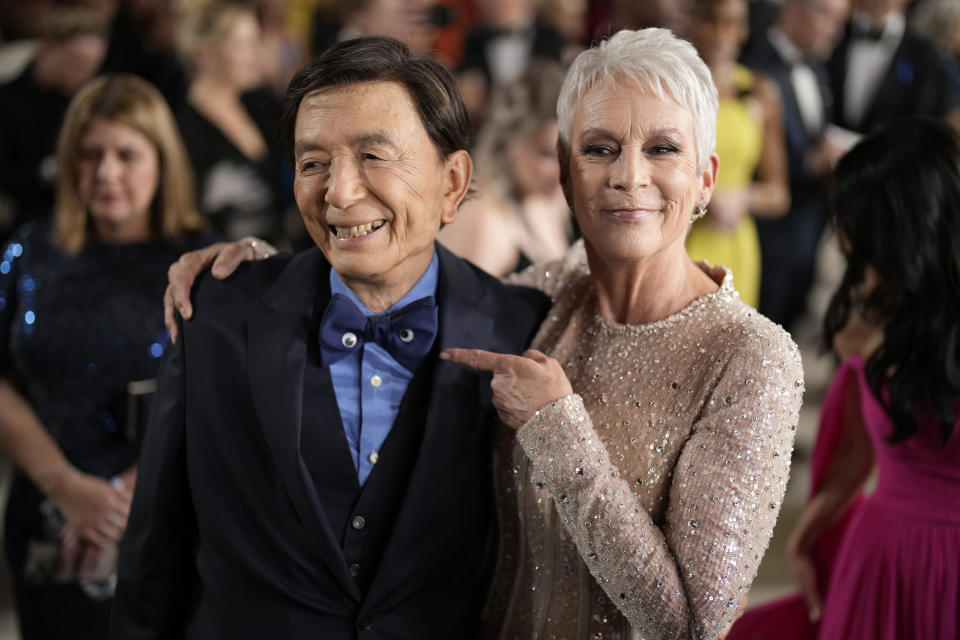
{"x": 425, "y": 286}
{"x": 790, "y": 53}
{"x": 892, "y": 27}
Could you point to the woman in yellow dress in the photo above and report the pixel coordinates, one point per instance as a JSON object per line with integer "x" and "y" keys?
{"x": 750, "y": 143}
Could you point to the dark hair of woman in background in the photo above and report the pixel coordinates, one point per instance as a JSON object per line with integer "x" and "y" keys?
{"x": 897, "y": 208}
{"x": 887, "y": 565}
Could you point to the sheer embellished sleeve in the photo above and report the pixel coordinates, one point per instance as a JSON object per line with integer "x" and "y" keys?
{"x": 686, "y": 579}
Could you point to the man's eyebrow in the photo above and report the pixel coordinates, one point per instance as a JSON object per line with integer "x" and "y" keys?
{"x": 304, "y": 146}
{"x": 374, "y": 137}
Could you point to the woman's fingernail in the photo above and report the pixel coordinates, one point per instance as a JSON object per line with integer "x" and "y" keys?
{"x": 444, "y": 355}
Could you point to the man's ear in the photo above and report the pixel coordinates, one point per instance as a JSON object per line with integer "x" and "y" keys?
{"x": 457, "y": 172}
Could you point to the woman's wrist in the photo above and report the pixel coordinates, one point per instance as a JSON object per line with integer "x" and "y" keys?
{"x": 53, "y": 481}
{"x": 800, "y": 542}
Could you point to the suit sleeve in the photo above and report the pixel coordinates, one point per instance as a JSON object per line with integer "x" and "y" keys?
{"x": 156, "y": 574}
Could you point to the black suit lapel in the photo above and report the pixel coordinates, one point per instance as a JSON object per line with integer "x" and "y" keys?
{"x": 889, "y": 92}
{"x": 826, "y": 93}
{"x": 277, "y": 356}
{"x": 453, "y": 416}
{"x": 793, "y": 120}
{"x": 465, "y": 322}
{"x": 838, "y": 72}
{"x": 324, "y": 448}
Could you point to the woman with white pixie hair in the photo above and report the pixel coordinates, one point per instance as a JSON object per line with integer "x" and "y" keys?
{"x": 643, "y": 502}
{"x": 648, "y": 431}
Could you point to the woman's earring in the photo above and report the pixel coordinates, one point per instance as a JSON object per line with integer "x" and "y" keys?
{"x": 700, "y": 212}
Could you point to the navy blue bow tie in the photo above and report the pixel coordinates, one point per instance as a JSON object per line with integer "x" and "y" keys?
{"x": 407, "y": 333}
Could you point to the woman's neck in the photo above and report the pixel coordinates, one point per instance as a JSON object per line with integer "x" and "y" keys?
{"x": 648, "y": 290}
{"x": 722, "y": 73}
{"x": 208, "y": 89}
{"x": 122, "y": 233}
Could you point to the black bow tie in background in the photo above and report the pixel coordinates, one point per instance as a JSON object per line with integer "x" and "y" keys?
{"x": 872, "y": 33}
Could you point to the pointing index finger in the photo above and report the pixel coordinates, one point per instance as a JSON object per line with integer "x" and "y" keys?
{"x": 479, "y": 359}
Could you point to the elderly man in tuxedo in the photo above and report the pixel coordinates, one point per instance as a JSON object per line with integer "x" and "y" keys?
{"x": 792, "y": 53}
{"x": 311, "y": 469}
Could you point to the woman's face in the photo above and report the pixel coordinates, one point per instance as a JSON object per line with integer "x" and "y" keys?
{"x": 718, "y": 29}
{"x": 119, "y": 172}
{"x": 533, "y": 161}
{"x": 631, "y": 176}
{"x": 236, "y": 59}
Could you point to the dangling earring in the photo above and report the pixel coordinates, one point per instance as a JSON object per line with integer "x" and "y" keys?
{"x": 700, "y": 212}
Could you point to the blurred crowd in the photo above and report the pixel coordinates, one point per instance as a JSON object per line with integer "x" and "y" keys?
{"x": 176, "y": 103}
{"x": 799, "y": 82}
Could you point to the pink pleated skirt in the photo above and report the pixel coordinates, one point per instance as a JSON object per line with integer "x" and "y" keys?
{"x": 897, "y": 575}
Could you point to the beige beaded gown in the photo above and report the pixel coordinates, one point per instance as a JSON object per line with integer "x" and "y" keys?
{"x": 640, "y": 506}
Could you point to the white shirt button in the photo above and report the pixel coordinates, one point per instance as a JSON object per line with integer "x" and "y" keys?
{"x": 373, "y": 457}
{"x": 349, "y": 340}
{"x": 376, "y": 381}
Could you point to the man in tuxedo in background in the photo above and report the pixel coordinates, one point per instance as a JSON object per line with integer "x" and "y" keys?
{"x": 792, "y": 53}
{"x": 881, "y": 71}
{"x": 641, "y": 14}
{"x": 311, "y": 468}
{"x": 72, "y": 45}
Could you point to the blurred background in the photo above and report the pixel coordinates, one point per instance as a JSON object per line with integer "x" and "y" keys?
{"x": 813, "y": 75}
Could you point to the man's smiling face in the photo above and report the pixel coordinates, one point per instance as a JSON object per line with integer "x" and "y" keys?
{"x": 370, "y": 183}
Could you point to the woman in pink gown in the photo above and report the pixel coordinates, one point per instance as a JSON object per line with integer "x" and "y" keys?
{"x": 893, "y": 406}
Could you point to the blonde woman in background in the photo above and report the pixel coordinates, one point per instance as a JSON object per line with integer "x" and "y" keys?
{"x": 226, "y": 119}
{"x": 79, "y": 323}
{"x": 519, "y": 215}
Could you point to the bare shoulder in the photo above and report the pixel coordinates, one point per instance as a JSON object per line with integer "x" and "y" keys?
{"x": 766, "y": 92}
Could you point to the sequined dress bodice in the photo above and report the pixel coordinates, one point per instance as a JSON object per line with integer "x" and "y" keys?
{"x": 640, "y": 506}
{"x": 74, "y": 330}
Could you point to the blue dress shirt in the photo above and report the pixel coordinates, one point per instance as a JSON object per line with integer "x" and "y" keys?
{"x": 369, "y": 384}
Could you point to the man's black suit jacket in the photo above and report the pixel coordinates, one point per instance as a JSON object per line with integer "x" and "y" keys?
{"x": 227, "y": 538}
{"x": 789, "y": 244}
{"x": 918, "y": 81}
{"x": 764, "y": 57}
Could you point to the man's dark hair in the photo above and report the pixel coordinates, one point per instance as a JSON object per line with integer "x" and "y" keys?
{"x": 379, "y": 59}
{"x": 61, "y": 23}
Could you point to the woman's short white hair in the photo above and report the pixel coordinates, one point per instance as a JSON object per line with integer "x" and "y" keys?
{"x": 657, "y": 60}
